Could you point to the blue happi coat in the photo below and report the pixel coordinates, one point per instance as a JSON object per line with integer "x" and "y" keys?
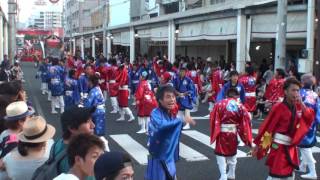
{"x": 44, "y": 72}
{"x": 72, "y": 95}
{"x": 152, "y": 76}
{"x": 163, "y": 141}
{"x": 83, "y": 84}
{"x": 134, "y": 77}
{"x": 96, "y": 99}
{"x": 56, "y": 75}
{"x": 311, "y": 99}
{"x": 185, "y": 85}
{"x": 222, "y": 94}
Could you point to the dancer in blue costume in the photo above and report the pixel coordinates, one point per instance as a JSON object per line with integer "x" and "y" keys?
{"x": 234, "y": 77}
{"x": 83, "y": 81}
{"x": 72, "y": 95}
{"x": 186, "y": 95}
{"x": 310, "y": 99}
{"x": 57, "y": 75}
{"x": 134, "y": 77}
{"x": 96, "y": 99}
{"x": 164, "y": 133}
{"x": 43, "y": 73}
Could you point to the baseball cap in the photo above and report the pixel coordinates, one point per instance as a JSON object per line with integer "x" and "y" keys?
{"x": 110, "y": 163}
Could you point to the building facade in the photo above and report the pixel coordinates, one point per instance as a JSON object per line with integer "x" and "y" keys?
{"x": 226, "y": 30}
{"x": 4, "y": 29}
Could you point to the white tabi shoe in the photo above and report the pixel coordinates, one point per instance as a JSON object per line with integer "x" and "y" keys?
{"x": 186, "y": 127}
{"x": 131, "y": 119}
{"x": 54, "y": 112}
{"x": 141, "y": 131}
{"x": 114, "y": 111}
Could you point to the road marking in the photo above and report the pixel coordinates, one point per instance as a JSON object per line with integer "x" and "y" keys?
{"x": 136, "y": 150}
{"x": 204, "y": 139}
{"x": 36, "y": 101}
{"x": 190, "y": 154}
{"x": 200, "y": 118}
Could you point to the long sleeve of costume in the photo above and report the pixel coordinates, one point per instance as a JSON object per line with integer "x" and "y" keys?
{"x": 221, "y": 94}
{"x": 164, "y": 134}
{"x": 244, "y": 128}
{"x": 215, "y": 123}
{"x": 242, "y": 94}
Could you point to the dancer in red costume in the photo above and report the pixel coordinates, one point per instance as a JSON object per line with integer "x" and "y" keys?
{"x": 248, "y": 81}
{"x": 274, "y": 92}
{"x": 113, "y": 85}
{"x": 146, "y": 102}
{"x": 123, "y": 93}
{"x": 281, "y": 132}
{"x": 228, "y": 119}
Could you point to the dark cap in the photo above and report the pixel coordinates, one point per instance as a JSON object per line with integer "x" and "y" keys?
{"x": 110, "y": 163}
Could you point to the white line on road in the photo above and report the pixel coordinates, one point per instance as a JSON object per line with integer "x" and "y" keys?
{"x": 190, "y": 154}
{"x": 204, "y": 139}
{"x": 136, "y": 150}
{"x": 200, "y": 118}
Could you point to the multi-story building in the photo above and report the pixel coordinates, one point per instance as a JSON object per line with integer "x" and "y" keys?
{"x": 226, "y": 30}
{"x": 4, "y": 28}
{"x": 46, "y": 16}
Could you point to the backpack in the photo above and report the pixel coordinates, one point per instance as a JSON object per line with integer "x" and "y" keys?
{"x": 8, "y": 143}
{"x": 50, "y": 169}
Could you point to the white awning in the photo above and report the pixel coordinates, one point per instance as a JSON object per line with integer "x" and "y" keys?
{"x": 144, "y": 33}
{"x": 121, "y": 38}
{"x": 265, "y": 26}
{"x": 159, "y": 33}
{"x": 217, "y": 29}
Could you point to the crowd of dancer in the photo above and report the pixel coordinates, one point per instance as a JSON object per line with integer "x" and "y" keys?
{"x": 165, "y": 94}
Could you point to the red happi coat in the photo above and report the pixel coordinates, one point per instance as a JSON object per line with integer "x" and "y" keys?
{"x": 283, "y": 159}
{"x": 249, "y": 84}
{"x": 229, "y": 111}
{"x": 195, "y": 77}
{"x": 123, "y": 81}
{"x": 146, "y": 101}
{"x": 274, "y": 90}
{"x": 217, "y": 82}
{"x": 158, "y": 70}
{"x": 112, "y": 74}
{"x": 103, "y": 77}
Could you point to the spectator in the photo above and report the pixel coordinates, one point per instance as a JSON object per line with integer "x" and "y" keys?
{"x": 113, "y": 166}
{"x": 13, "y": 89}
{"x": 263, "y": 67}
{"x": 268, "y": 75}
{"x": 5, "y": 63}
{"x": 33, "y": 150}
{"x": 83, "y": 151}
{"x": 74, "y": 121}
{"x": 16, "y": 115}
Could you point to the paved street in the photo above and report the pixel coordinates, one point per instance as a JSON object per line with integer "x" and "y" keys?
{"x": 197, "y": 159}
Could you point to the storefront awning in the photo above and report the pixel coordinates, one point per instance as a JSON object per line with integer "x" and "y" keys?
{"x": 121, "y": 38}
{"x": 159, "y": 33}
{"x": 265, "y": 26}
{"x": 217, "y": 29}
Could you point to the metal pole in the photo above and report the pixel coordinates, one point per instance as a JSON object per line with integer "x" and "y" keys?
{"x": 12, "y": 5}
{"x": 310, "y": 35}
{"x": 280, "y": 55}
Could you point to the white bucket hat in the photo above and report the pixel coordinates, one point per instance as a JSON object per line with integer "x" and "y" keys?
{"x": 18, "y": 110}
{"x": 36, "y": 130}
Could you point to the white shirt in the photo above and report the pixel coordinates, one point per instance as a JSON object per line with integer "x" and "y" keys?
{"x": 64, "y": 176}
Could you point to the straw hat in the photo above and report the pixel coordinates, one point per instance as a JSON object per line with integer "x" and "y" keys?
{"x": 36, "y": 130}
{"x": 18, "y": 110}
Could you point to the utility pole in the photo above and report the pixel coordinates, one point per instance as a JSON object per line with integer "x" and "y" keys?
{"x": 12, "y": 4}
{"x": 316, "y": 63}
{"x": 280, "y": 55}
